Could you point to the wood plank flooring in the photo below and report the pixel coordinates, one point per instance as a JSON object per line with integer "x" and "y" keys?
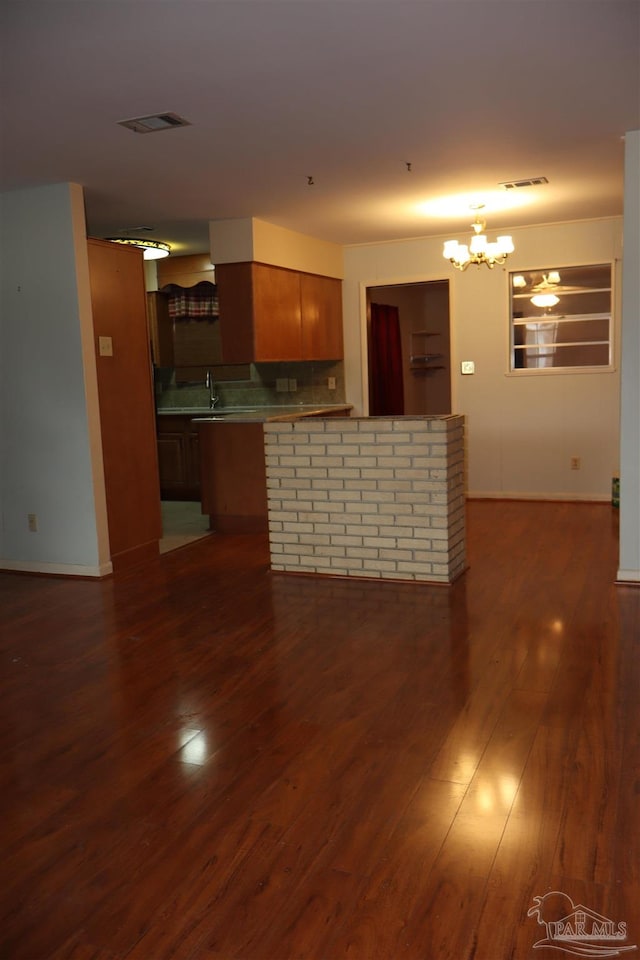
{"x": 203, "y": 760}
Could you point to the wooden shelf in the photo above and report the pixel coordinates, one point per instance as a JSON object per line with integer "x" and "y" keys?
{"x": 423, "y": 362}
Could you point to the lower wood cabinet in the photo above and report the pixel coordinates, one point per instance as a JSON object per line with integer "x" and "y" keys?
{"x": 234, "y": 478}
{"x": 178, "y": 457}
{"x": 234, "y": 474}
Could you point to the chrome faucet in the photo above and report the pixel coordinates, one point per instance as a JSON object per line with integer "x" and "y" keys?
{"x": 210, "y": 384}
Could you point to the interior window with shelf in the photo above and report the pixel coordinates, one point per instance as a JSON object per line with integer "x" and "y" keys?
{"x": 561, "y": 318}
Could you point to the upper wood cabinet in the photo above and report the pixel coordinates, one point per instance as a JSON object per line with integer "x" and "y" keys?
{"x": 321, "y": 304}
{"x": 270, "y": 314}
{"x": 185, "y": 271}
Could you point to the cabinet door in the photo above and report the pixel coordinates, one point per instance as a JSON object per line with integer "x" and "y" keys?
{"x": 277, "y": 313}
{"x": 172, "y": 461}
{"x": 235, "y": 303}
{"x": 269, "y": 313}
{"x": 321, "y": 304}
{"x": 178, "y": 457}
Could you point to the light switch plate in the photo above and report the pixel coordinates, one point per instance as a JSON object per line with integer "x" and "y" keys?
{"x": 467, "y": 366}
{"x": 105, "y": 346}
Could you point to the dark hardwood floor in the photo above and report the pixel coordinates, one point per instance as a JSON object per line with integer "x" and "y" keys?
{"x": 202, "y": 760}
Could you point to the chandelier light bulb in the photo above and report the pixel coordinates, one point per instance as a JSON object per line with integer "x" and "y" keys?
{"x": 479, "y": 249}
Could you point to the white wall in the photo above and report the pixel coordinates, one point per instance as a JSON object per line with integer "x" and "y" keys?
{"x": 630, "y": 415}
{"x": 236, "y": 241}
{"x": 50, "y": 450}
{"x": 522, "y": 430}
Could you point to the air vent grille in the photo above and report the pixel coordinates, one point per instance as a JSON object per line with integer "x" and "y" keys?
{"x": 158, "y": 121}
{"x": 529, "y": 182}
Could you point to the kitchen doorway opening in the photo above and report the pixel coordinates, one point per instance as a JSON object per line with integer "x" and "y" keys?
{"x": 409, "y": 367}
{"x": 182, "y": 523}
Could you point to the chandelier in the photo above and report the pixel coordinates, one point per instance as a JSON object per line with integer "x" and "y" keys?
{"x": 151, "y": 249}
{"x": 479, "y": 249}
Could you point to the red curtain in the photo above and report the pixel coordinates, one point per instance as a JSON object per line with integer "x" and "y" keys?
{"x": 199, "y": 302}
{"x": 386, "y": 393}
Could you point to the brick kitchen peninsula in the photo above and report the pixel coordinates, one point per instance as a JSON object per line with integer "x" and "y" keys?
{"x": 373, "y": 497}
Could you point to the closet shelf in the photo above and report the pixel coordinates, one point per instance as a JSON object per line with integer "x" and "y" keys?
{"x": 425, "y": 357}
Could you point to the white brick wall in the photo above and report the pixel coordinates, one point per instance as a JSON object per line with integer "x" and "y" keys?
{"x": 367, "y": 497}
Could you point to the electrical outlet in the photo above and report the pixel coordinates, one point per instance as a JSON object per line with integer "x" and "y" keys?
{"x": 32, "y": 521}
{"x": 282, "y": 385}
{"x": 293, "y": 385}
{"x": 575, "y": 463}
{"x": 331, "y": 383}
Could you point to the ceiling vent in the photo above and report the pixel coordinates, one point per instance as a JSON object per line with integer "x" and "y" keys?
{"x": 530, "y": 182}
{"x": 159, "y": 121}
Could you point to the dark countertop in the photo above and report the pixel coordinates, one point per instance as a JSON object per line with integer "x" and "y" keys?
{"x": 267, "y": 414}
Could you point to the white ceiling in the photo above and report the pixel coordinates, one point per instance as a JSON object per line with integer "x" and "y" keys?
{"x": 470, "y": 93}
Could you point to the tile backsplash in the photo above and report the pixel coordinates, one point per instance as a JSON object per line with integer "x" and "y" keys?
{"x": 268, "y": 384}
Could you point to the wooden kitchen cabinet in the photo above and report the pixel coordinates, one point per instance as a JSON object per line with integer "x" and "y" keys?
{"x": 178, "y": 457}
{"x": 273, "y": 314}
{"x": 233, "y": 472}
{"x": 321, "y": 306}
{"x": 234, "y": 478}
{"x": 185, "y": 271}
{"x": 277, "y": 332}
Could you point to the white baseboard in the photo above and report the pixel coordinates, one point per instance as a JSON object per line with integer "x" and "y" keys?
{"x": 57, "y": 569}
{"x": 628, "y": 576}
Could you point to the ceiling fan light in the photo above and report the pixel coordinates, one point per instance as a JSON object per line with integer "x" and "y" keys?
{"x": 545, "y": 300}
{"x": 151, "y": 249}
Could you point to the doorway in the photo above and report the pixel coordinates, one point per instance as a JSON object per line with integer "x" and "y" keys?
{"x": 424, "y": 334}
{"x": 182, "y": 523}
